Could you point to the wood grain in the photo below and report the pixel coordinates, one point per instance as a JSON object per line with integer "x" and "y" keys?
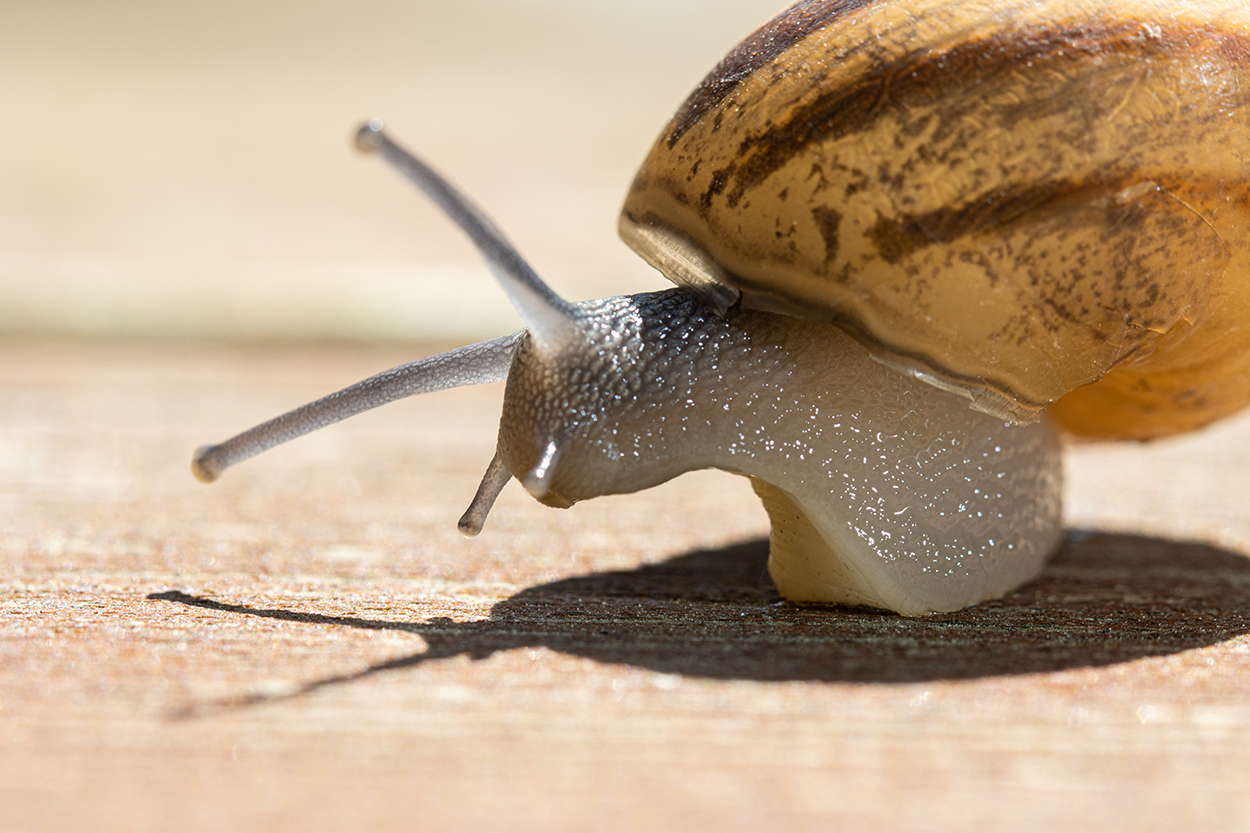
{"x": 310, "y": 645}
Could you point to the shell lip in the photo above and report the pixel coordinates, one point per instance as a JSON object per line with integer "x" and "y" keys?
{"x": 982, "y": 394}
{"x": 680, "y": 259}
{"x": 688, "y": 264}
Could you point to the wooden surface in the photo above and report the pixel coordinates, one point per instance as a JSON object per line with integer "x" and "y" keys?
{"x": 309, "y": 644}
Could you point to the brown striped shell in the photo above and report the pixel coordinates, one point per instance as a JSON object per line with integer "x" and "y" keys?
{"x": 1035, "y": 203}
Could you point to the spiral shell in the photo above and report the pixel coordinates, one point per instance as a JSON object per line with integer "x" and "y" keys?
{"x": 1030, "y": 203}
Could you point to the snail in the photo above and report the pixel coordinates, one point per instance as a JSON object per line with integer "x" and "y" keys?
{"x": 913, "y": 242}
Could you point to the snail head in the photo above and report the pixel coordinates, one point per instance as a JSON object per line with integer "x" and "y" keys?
{"x": 573, "y": 396}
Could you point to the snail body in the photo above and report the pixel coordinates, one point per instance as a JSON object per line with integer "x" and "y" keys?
{"x": 880, "y": 490}
{"x": 879, "y": 214}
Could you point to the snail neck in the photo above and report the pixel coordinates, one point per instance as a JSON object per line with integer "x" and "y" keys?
{"x": 920, "y": 503}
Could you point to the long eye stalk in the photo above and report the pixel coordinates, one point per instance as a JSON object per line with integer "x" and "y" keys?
{"x": 476, "y": 364}
{"x": 548, "y": 317}
{"x": 551, "y": 323}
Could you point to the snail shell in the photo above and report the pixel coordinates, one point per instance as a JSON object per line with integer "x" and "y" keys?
{"x": 1029, "y": 203}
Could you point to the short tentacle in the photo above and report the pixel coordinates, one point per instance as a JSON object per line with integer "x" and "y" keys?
{"x": 551, "y": 320}
{"x": 496, "y": 477}
{"x": 476, "y": 364}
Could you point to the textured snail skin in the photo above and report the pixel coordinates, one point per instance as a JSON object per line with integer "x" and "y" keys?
{"x": 1013, "y": 199}
{"x": 882, "y": 490}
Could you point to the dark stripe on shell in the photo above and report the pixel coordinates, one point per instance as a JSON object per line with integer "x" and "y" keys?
{"x": 922, "y": 76}
{"x": 762, "y": 46}
{"x": 898, "y": 237}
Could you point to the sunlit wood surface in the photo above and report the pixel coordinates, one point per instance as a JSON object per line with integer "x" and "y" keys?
{"x": 310, "y": 645}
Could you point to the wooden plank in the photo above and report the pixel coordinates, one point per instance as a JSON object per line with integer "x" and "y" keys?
{"x": 308, "y": 644}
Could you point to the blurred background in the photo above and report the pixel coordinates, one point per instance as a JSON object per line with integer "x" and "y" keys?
{"x": 171, "y": 169}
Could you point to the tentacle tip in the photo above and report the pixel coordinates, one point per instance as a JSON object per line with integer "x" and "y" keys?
{"x": 369, "y": 137}
{"x": 470, "y": 525}
{"x": 202, "y": 466}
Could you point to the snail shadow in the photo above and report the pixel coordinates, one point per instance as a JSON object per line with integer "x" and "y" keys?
{"x": 1105, "y": 599}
